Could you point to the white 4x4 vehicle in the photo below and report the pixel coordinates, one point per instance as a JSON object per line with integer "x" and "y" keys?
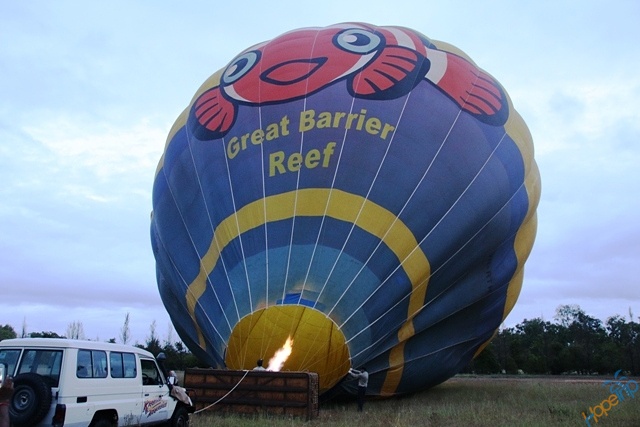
{"x": 63, "y": 382}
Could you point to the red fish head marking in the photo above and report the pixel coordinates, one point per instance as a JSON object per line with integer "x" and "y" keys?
{"x": 299, "y": 63}
{"x": 376, "y": 62}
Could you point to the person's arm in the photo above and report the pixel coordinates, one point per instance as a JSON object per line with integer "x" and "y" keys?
{"x": 6, "y": 391}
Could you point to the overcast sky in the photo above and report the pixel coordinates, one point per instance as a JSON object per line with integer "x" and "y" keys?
{"x": 89, "y": 91}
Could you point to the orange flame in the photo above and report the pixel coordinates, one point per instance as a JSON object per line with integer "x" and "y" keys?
{"x": 281, "y": 356}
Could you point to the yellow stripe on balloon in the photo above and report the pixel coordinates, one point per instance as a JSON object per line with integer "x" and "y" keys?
{"x": 518, "y": 131}
{"x": 336, "y": 204}
{"x": 523, "y": 243}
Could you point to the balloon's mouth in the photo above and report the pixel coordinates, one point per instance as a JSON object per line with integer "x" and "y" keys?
{"x": 318, "y": 344}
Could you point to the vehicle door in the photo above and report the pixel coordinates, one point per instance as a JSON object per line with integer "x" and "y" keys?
{"x": 155, "y": 393}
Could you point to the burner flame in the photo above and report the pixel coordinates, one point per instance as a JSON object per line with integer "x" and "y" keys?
{"x": 281, "y": 356}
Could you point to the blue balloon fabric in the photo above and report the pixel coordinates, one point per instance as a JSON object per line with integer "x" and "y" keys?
{"x": 365, "y": 190}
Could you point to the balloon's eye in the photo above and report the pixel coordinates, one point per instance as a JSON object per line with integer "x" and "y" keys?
{"x": 358, "y": 41}
{"x": 240, "y": 66}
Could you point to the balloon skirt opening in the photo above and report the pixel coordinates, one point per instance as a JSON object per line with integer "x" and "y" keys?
{"x": 318, "y": 344}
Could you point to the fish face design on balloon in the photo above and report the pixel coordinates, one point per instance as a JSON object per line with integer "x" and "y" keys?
{"x": 378, "y": 63}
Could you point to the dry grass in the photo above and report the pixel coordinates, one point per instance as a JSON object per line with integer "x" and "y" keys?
{"x": 465, "y": 401}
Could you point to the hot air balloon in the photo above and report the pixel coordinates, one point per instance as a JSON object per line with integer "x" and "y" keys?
{"x": 362, "y": 192}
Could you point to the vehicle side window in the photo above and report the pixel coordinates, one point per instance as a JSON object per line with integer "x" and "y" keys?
{"x": 10, "y": 358}
{"x": 99, "y": 359}
{"x": 115, "y": 361}
{"x": 84, "y": 364}
{"x": 129, "y": 361}
{"x": 45, "y": 363}
{"x": 123, "y": 365}
{"x": 150, "y": 373}
{"x": 91, "y": 364}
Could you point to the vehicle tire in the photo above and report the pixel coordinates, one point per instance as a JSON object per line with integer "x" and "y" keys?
{"x": 31, "y": 400}
{"x": 180, "y": 417}
{"x": 102, "y": 422}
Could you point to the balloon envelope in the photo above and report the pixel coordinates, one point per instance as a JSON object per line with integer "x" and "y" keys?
{"x": 364, "y": 190}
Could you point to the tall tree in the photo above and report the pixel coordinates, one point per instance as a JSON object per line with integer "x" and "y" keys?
{"x": 75, "y": 330}
{"x": 153, "y": 343}
{"x": 125, "y": 332}
{"x": 169, "y": 340}
{"x": 23, "y": 333}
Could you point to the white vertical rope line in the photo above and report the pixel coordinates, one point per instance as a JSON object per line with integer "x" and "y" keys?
{"x": 265, "y": 225}
{"x": 322, "y": 221}
{"x": 264, "y": 213}
{"x": 469, "y": 94}
{"x": 295, "y": 209}
{"x": 397, "y": 218}
{"x": 287, "y": 266}
{"x": 186, "y": 288}
{"x": 506, "y": 204}
{"x": 192, "y": 243}
{"x": 215, "y": 238}
{"x": 213, "y": 231}
{"x": 220, "y": 249}
{"x": 235, "y": 210}
{"x": 366, "y": 197}
{"x": 316, "y": 244}
{"x": 243, "y": 260}
{"x": 373, "y": 252}
{"x": 322, "y": 224}
{"x": 326, "y": 208}
{"x": 264, "y": 196}
{"x": 430, "y": 231}
{"x": 266, "y": 242}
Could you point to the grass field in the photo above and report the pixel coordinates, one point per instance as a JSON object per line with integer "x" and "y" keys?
{"x": 468, "y": 401}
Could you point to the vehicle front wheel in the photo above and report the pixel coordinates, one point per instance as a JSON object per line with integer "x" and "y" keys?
{"x": 180, "y": 417}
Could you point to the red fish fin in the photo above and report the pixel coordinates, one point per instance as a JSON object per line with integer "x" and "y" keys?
{"x": 213, "y": 115}
{"x": 393, "y": 73}
{"x": 471, "y": 88}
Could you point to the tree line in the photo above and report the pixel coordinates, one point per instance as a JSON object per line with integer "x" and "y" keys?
{"x": 574, "y": 343}
{"x": 178, "y": 356}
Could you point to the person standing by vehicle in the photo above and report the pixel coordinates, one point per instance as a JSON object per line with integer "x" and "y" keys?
{"x": 363, "y": 381}
{"x": 6, "y": 391}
